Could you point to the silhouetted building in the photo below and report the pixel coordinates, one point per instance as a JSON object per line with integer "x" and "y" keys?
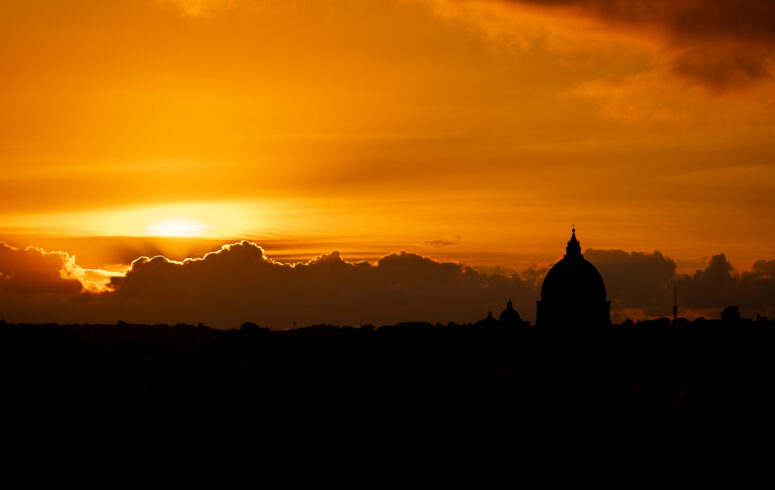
{"x": 731, "y": 314}
{"x": 573, "y": 293}
{"x": 510, "y": 317}
{"x": 490, "y": 321}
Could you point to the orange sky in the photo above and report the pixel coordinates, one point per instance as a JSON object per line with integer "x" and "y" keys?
{"x": 475, "y": 131}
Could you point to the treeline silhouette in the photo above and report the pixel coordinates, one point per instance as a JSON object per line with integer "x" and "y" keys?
{"x": 457, "y": 402}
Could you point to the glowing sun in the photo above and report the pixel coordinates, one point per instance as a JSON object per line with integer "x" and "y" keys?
{"x": 177, "y": 228}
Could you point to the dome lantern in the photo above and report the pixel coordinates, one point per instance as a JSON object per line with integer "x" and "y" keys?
{"x": 574, "y": 247}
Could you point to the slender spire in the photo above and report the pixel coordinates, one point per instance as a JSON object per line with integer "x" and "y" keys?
{"x": 574, "y": 247}
{"x": 675, "y": 302}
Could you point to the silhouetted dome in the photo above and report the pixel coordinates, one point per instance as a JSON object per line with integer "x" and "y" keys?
{"x": 573, "y": 277}
{"x": 573, "y": 292}
{"x": 489, "y": 322}
{"x": 510, "y": 316}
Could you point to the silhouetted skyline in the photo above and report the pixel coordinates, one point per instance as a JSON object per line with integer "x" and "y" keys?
{"x": 239, "y": 283}
{"x": 474, "y": 403}
{"x": 449, "y": 144}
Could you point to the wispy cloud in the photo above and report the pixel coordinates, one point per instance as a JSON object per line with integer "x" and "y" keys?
{"x": 447, "y": 241}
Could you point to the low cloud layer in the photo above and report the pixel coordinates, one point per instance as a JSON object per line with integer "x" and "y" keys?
{"x": 34, "y": 271}
{"x": 240, "y": 283}
{"x": 636, "y": 280}
{"x": 719, "y": 284}
{"x": 645, "y": 284}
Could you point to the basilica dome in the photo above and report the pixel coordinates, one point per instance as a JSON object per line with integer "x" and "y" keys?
{"x": 573, "y": 278}
{"x": 509, "y": 316}
{"x": 573, "y": 292}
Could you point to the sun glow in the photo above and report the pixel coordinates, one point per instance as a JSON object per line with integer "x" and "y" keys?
{"x": 177, "y": 228}
{"x": 206, "y": 219}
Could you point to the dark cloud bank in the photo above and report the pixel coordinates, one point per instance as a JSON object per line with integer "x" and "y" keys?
{"x": 646, "y": 282}
{"x": 240, "y": 283}
{"x": 722, "y": 44}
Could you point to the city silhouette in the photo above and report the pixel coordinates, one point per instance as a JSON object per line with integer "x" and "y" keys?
{"x": 457, "y": 402}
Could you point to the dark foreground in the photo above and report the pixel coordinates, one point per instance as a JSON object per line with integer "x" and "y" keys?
{"x": 122, "y": 402}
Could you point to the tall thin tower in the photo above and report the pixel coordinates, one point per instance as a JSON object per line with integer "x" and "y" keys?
{"x": 675, "y": 302}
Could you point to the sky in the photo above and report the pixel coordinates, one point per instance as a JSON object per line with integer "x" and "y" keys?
{"x": 463, "y": 132}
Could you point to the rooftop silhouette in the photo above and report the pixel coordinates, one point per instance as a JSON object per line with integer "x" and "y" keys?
{"x": 396, "y": 402}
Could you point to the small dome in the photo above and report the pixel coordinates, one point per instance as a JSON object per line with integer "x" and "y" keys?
{"x": 509, "y": 316}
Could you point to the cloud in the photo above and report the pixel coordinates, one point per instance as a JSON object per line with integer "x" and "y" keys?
{"x": 719, "y": 285}
{"x": 34, "y": 271}
{"x": 642, "y": 285}
{"x": 41, "y": 286}
{"x": 644, "y": 61}
{"x": 635, "y": 279}
{"x": 443, "y": 242}
{"x": 723, "y": 45}
{"x": 239, "y": 283}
